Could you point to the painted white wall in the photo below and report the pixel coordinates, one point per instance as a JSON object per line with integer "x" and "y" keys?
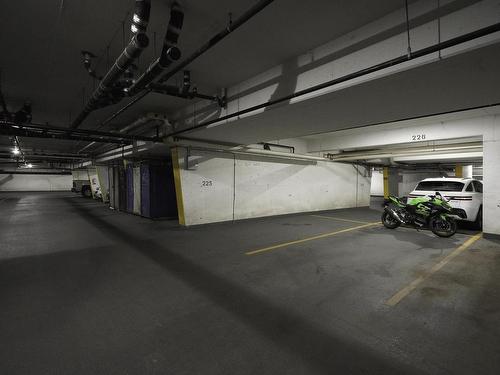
{"x": 223, "y": 186}
{"x": 102, "y": 175}
{"x": 491, "y": 179}
{"x": 406, "y": 181}
{"x": 377, "y": 184}
{"x": 80, "y": 174}
{"x": 409, "y": 179}
{"x": 94, "y": 181}
{"x": 467, "y": 171}
{"x": 35, "y": 182}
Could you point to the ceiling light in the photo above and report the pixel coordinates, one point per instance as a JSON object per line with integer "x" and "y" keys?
{"x": 16, "y": 151}
{"x": 134, "y": 28}
{"x": 30, "y": 165}
{"x": 136, "y": 18}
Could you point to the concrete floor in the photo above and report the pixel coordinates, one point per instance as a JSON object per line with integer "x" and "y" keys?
{"x": 87, "y": 290}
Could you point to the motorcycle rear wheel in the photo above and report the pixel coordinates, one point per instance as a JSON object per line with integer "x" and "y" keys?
{"x": 389, "y": 222}
{"x": 443, "y": 228}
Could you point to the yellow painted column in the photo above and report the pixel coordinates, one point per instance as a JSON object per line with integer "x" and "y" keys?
{"x": 386, "y": 182}
{"x": 459, "y": 171}
{"x": 178, "y": 186}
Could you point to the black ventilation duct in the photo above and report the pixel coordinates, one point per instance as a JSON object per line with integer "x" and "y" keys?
{"x": 169, "y": 52}
{"x": 103, "y": 95}
{"x": 204, "y": 48}
{"x": 140, "y": 18}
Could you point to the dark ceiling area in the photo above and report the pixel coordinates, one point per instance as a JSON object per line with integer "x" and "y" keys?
{"x": 44, "y": 61}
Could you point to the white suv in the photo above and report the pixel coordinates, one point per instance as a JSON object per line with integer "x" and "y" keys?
{"x": 463, "y": 194}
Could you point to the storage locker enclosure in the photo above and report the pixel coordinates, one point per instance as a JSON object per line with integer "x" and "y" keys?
{"x": 158, "y": 191}
{"x": 130, "y": 188}
{"x": 137, "y": 190}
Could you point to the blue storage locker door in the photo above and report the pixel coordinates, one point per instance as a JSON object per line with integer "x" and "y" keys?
{"x": 111, "y": 177}
{"x": 145, "y": 191}
{"x": 137, "y": 190}
{"x": 116, "y": 173}
{"x": 122, "y": 189}
{"x": 114, "y": 179}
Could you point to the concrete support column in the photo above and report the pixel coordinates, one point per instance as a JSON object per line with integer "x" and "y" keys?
{"x": 491, "y": 171}
{"x": 391, "y": 180}
{"x": 467, "y": 171}
{"x": 463, "y": 171}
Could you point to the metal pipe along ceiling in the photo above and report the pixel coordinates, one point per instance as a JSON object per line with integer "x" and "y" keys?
{"x": 217, "y": 38}
{"x": 55, "y": 132}
{"x": 169, "y": 52}
{"x": 208, "y": 45}
{"x": 102, "y": 95}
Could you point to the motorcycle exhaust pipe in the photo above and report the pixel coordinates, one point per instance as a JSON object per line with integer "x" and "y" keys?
{"x": 395, "y": 215}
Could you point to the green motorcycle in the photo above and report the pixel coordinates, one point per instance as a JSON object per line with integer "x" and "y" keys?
{"x": 433, "y": 212}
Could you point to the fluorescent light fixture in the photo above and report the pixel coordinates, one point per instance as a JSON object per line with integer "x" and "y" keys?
{"x": 134, "y": 28}
{"x": 136, "y": 18}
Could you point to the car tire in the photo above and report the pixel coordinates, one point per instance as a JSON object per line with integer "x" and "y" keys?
{"x": 479, "y": 219}
{"x": 86, "y": 192}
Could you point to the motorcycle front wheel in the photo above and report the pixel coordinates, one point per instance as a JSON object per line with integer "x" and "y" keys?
{"x": 389, "y": 221}
{"x": 443, "y": 228}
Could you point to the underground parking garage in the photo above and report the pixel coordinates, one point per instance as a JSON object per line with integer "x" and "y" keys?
{"x": 250, "y": 187}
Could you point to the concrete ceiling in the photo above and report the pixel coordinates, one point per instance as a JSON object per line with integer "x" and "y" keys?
{"x": 463, "y": 81}
{"x": 42, "y": 41}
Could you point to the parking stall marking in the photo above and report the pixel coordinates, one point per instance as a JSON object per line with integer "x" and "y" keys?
{"x": 307, "y": 239}
{"x": 396, "y": 298}
{"x": 340, "y": 219}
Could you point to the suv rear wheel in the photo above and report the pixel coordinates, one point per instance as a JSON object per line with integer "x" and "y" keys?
{"x": 479, "y": 219}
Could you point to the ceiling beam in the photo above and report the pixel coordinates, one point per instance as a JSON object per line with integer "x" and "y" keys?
{"x": 467, "y": 37}
{"x": 55, "y": 132}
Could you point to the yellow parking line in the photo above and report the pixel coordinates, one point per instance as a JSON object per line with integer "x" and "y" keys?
{"x": 396, "y": 298}
{"x": 339, "y": 219}
{"x": 259, "y": 251}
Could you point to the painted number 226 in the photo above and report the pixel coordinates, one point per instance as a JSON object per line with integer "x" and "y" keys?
{"x": 418, "y": 137}
{"x": 206, "y": 183}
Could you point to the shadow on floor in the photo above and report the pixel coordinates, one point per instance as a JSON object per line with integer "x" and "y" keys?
{"x": 314, "y": 345}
